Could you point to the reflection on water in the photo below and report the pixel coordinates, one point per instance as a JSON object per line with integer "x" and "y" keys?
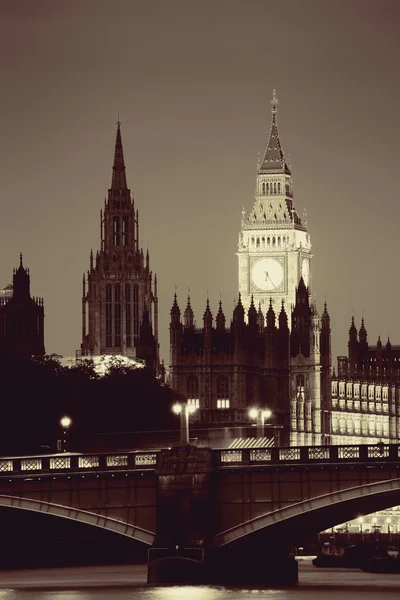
{"x": 127, "y": 583}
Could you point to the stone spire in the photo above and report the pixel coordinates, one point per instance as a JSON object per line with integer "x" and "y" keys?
{"x": 274, "y": 159}
{"x": 220, "y": 319}
{"x": 188, "y": 315}
{"x": 118, "y": 181}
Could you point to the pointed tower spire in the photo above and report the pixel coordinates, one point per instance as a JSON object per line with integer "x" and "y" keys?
{"x": 274, "y": 160}
{"x": 118, "y": 181}
{"x": 260, "y": 319}
{"x": 220, "y": 318}
{"x": 188, "y": 316}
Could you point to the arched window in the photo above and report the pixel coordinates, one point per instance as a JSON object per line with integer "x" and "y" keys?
{"x": 136, "y": 310}
{"x": 279, "y": 188}
{"x": 117, "y": 314}
{"x": 252, "y": 241}
{"x": 128, "y": 322}
{"x": 263, "y": 188}
{"x": 192, "y": 391}
{"x": 116, "y": 231}
{"x": 258, "y": 242}
{"x": 114, "y": 258}
{"x": 263, "y": 242}
{"x": 124, "y": 231}
{"x": 273, "y": 241}
{"x": 267, "y": 188}
{"x": 222, "y": 392}
{"x": 268, "y": 241}
{"x": 279, "y": 242}
{"x": 108, "y": 316}
{"x": 129, "y": 257}
{"x": 274, "y": 188}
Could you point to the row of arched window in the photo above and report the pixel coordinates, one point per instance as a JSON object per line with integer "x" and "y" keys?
{"x": 117, "y": 231}
{"x": 222, "y": 389}
{"x": 114, "y": 314}
{"x": 271, "y": 188}
{"x": 114, "y": 257}
{"x": 262, "y": 242}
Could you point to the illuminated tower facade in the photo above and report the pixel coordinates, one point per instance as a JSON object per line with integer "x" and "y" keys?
{"x": 274, "y": 248}
{"x": 119, "y": 302}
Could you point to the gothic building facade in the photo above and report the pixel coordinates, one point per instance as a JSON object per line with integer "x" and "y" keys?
{"x": 276, "y": 356}
{"x": 256, "y": 361}
{"x": 21, "y": 318}
{"x": 366, "y": 392}
{"x": 119, "y": 301}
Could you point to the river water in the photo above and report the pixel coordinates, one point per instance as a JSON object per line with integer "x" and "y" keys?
{"x": 128, "y": 583}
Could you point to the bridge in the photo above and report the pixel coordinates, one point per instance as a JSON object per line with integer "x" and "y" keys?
{"x": 242, "y": 509}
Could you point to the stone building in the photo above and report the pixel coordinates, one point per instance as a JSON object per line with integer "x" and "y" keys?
{"x": 21, "y": 318}
{"x": 275, "y": 353}
{"x": 256, "y": 361}
{"x": 366, "y": 392}
{"x": 119, "y": 301}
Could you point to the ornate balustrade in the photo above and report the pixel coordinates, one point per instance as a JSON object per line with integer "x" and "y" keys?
{"x": 310, "y": 455}
{"x": 140, "y": 460}
{"x": 61, "y": 463}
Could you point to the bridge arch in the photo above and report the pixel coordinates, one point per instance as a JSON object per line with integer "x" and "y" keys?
{"x": 82, "y": 516}
{"x": 318, "y": 513}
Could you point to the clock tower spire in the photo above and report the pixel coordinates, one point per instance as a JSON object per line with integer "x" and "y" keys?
{"x": 274, "y": 249}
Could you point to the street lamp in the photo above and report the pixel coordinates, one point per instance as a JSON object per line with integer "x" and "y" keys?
{"x": 184, "y": 410}
{"x": 65, "y": 423}
{"x": 260, "y": 415}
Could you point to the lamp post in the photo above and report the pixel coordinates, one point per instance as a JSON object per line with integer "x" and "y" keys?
{"x": 65, "y": 423}
{"x": 184, "y": 410}
{"x": 260, "y": 415}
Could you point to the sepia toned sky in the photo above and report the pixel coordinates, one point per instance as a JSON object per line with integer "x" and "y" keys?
{"x": 192, "y": 82}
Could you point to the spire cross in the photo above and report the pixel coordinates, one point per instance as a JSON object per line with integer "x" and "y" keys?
{"x": 274, "y": 102}
{"x": 118, "y": 122}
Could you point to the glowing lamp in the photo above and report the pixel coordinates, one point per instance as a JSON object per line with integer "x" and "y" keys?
{"x": 177, "y": 408}
{"x": 65, "y": 422}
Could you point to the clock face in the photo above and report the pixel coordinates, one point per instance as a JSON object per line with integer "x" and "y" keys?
{"x": 267, "y": 274}
{"x": 305, "y": 271}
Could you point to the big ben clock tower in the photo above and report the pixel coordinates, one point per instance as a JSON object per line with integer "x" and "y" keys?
{"x": 274, "y": 247}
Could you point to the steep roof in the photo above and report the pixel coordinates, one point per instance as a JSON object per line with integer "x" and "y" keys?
{"x": 274, "y": 159}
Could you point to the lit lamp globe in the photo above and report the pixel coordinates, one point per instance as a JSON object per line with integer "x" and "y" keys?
{"x": 191, "y": 408}
{"x": 266, "y": 413}
{"x": 177, "y": 408}
{"x": 65, "y": 422}
{"x": 253, "y": 413}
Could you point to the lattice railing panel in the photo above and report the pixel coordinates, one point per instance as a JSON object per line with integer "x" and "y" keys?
{"x": 145, "y": 460}
{"x": 318, "y": 453}
{"x": 228, "y": 456}
{"x": 258, "y": 454}
{"x": 348, "y": 452}
{"x": 289, "y": 454}
{"x": 6, "y": 465}
{"x": 117, "y": 460}
{"x": 88, "y": 462}
{"x": 31, "y": 464}
{"x": 60, "y": 462}
{"x": 378, "y": 451}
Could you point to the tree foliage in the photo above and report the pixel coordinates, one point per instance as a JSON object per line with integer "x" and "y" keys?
{"x": 37, "y": 392}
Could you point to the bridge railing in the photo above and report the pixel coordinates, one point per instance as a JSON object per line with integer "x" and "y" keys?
{"x": 308, "y": 454}
{"x": 57, "y": 463}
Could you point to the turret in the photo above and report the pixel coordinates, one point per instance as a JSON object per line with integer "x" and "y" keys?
{"x": 220, "y": 318}
{"x": 21, "y": 281}
{"x": 188, "y": 316}
{"x": 325, "y": 338}
{"x": 252, "y": 317}
{"x": 301, "y": 322}
{"x": 260, "y": 319}
{"x": 363, "y": 346}
{"x": 353, "y": 348}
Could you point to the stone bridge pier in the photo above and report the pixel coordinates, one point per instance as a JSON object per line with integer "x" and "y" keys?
{"x": 184, "y": 549}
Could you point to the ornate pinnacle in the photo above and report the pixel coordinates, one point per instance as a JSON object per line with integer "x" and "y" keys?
{"x": 274, "y": 102}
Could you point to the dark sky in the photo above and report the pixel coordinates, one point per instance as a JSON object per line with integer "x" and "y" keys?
{"x": 192, "y": 81}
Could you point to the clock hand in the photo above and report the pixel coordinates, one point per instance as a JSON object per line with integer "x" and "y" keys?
{"x": 267, "y": 276}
